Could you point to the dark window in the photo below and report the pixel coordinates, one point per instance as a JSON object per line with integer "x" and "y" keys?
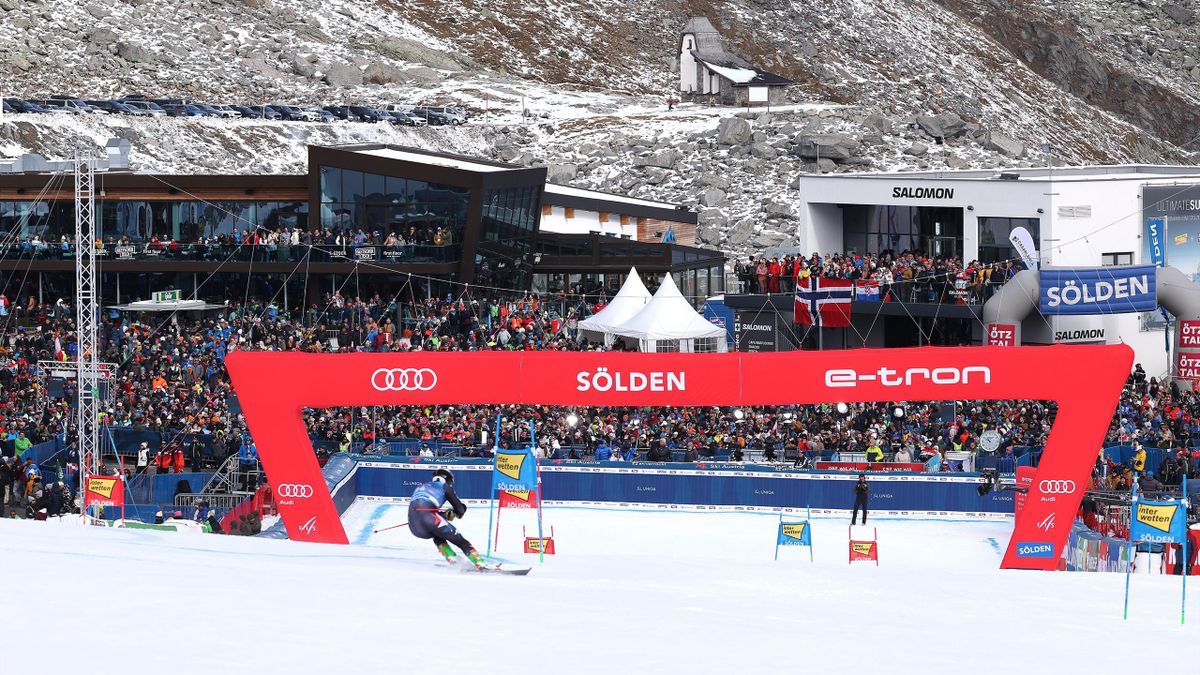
{"x": 1110, "y": 259}
{"x": 994, "y": 233}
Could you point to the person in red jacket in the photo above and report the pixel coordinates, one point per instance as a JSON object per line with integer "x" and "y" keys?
{"x": 773, "y": 271}
{"x": 178, "y": 459}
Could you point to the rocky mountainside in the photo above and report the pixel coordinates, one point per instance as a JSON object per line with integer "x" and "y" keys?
{"x": 881, "y": 85}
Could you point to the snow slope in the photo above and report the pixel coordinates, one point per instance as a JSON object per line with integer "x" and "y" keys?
{"x": 638, "y": 592}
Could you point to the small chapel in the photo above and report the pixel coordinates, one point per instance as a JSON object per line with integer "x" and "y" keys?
{"x": 708, "y": 73}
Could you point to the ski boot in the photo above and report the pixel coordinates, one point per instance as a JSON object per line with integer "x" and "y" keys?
{"x": 476, "y": 559}
{"x": 447, "y": 553}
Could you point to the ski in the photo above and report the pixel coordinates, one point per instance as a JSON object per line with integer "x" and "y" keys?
{"x": 497, "y": 569}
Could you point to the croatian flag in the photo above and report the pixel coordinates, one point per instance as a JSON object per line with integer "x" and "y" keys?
{"x": 824, "y": 302}
{"x": 867, "y": 290}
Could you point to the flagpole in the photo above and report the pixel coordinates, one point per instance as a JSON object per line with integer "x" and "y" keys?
{"x": 492, "y": 491}
{"x": 1186, "y": 566}
{"x": 537, "y": 466}
{"x": 1132, "y": 551}
{"x": 778, "y": 530}
{"x": 810, "y": 534}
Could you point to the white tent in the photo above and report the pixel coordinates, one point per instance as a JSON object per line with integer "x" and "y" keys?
{"x": 628, "y": 301}
{"x": 669, "y": 323}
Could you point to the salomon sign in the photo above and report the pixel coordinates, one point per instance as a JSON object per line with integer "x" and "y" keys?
{"x": 1101, "y": 290}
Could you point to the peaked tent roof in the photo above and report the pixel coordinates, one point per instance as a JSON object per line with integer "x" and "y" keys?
{"x": 628, "y": 301}
{"x": 669, "y": 316}
{"x": 710, "y": 49}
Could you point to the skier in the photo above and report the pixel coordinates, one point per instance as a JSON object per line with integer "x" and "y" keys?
{"x": 427, "y": 520}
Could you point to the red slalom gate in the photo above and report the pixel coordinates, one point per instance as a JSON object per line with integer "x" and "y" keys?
{"x": 1084, "y": 380}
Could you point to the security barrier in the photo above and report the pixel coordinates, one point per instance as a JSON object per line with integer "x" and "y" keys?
{"x": 685, "y": 484}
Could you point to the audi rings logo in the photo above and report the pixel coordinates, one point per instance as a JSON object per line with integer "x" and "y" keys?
{"x": 294, "y": 490}
{"x": 1057, "y": 487}
{"x": 404, "y": 379}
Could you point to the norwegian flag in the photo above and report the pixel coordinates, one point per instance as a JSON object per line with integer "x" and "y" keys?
{"x": 824, "y": 302}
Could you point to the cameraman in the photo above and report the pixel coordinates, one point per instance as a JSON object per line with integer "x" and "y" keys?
{"x": 861, "y": 492}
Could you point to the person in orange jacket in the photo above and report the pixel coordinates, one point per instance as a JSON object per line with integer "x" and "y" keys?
{"x": 178, "y": 459}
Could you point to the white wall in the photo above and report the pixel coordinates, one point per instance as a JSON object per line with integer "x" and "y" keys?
{"x": 687, "y": 65}
{"x": 586, "y": 221}
{"x": 1114, "y": 226}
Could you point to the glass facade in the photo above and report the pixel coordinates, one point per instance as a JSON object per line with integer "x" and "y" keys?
{"x": 139, "y": 221}
{"x": 994, "y": 233}
{"x": 504, "y": 254}
{"x": 413, "y": 219}
{"x": 934, "y": 231}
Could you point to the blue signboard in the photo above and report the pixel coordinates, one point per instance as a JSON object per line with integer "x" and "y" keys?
{"x": 1098, "y": 290}
{"x": 1156, "y": 232}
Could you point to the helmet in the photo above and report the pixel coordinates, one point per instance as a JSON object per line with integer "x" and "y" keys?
{"x": 444, "y": 476}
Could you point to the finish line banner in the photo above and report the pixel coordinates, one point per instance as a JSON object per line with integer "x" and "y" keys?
{"x": 1098, "y": 290}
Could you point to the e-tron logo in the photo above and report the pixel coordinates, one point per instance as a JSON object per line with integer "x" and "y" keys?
{"x": 1057, "y": 487}
{"x": 295, "y": 490}
{"x": 890, "y": 377}
{"x": 404, "y": 379}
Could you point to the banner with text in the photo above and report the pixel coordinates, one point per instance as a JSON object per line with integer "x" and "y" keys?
{"x": 1098, "y": 290}
{"x": 515, "y": 470}
{"x": 1161, "y": 522}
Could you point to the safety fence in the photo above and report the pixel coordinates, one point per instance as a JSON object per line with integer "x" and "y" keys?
{"x": 714, "y": 485}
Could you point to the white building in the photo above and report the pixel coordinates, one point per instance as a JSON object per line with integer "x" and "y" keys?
{"x": 1079, "y": 217}
{"x": 708, "y": 72}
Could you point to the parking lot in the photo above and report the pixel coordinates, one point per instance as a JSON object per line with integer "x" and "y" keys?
{"x": 141, "y": 106}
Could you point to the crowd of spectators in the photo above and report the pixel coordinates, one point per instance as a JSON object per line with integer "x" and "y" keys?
{"x": 908, "y": 277}
{"x": 171, "y": 379}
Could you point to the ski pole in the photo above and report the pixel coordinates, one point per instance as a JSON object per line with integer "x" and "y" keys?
{"x": 385, "y": 529}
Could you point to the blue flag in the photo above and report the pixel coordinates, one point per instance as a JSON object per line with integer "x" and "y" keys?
{"x": 1161, "y": 522}
{"x": 514, "y": 470}
{"x": 795, "y": 534}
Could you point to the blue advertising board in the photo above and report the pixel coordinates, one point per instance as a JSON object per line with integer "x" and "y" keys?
{"x": 1098, "y": 290}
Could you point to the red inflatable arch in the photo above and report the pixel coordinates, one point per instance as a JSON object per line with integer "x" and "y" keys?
{"x": 1085, "y": 381}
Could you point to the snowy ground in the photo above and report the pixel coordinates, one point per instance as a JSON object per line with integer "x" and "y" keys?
{"x": 641, "y": 592}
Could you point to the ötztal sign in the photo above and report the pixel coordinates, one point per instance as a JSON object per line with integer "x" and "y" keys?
{"x": 274, "y": 388}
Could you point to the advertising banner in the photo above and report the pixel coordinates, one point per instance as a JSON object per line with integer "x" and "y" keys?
{"x": 518, "y": 499}
{"x": 1161, "y": 522}
{"x": 104, "y": 491}
{"x": 861, "y": 551}
{"x": 535, "y": 545}
{"x": 1098, "y": 290}
{"x": 1001, "y": 335}
{"x": 1022, "y": 243}
{"x": 756, "y": 331}
{"x": 1187, "y": 366}
{"x": 1024, "y": 480}
{"x": 1156, "y": 231}
{"x": 1189, "y": 334}
{"x": 516, "y": 470}
{"x": 906, "y": 467}
{"x": 274, "y": 388}
{"x": 794, "y": 534}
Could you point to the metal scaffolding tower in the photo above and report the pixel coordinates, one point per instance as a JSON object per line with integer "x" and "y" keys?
{"x": 86, "y": 312}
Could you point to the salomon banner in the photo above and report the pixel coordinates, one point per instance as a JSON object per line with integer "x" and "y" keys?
{"x": 516, "y": 471}
{"x": 274, "y": 389}
{"x": 1159, "y": 522}
{"x": 1098, "y": 290}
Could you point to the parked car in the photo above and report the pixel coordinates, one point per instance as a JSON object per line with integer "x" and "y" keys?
{"x": 292, "y": 113}
{"x": 23, "y": 106}
{"x": 56, "y": 109}
{"x": 407, "y": 119}
{"x": 435, "y": 115}
{"x": 140, "y": 103}
{"x": 6, "y": 107}
{"x": 262, "y": 112}
{"x": 118, "y": 108}
{"x": 322, "y": 115}
{"x": 71, "y": 105}
{"x": 366, "y": 114}
{"x": 341, "y": 112}
{"x": 216, "y": 111}
{"x": 184, "y": 110}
